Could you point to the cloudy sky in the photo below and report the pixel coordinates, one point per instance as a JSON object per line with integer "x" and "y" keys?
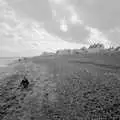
{"x": 29, "y": 27}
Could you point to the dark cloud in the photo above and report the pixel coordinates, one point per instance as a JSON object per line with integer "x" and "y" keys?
{"x": 41, "y": 11}
{"x": 75, "y": 33}
{"x": 78, "y": 33}
{"x": 102, "y": 14}
{"x": 36, "y": 9}
{"x": 114, "y": 36}
{"x": 53, "y": 27}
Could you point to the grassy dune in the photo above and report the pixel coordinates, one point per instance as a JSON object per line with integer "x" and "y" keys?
{"x": 84, "y": 87}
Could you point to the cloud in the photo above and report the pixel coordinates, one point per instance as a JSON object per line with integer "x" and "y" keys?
{"x": 101, "y": 17}
{"x": 74, "y": 18}
{"x": 75, "y": 33}
{"x": 78, "y": 33}
{"x": 114, "y": 36}
{"x": 66, "y": 22}
{"x": 96, "y": 36}
{"x": 101, "y": 14}
{"x": 58, "y": 1}
{"x": 37, "y": 9}
{"x": 61, "y": 18}
{"x": 75, "y": 21}
{"x": 29, "y": 37}
{"x": 64, "y": 9}
{"x": 63, "y": 25}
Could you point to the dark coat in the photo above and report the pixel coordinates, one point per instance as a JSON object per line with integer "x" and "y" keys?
{"x": 24, "y": 83}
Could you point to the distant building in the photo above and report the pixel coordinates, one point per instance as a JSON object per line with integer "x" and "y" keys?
{"x": 64, "y": 52}
{"x": 77, "y": 51}
{"x": 95, "y": 50}
{"x": 47, "y": 54}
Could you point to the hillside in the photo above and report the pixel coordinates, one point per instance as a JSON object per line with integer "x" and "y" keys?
{"x": 69, "y": 87}
{"x": 106, "y": 61}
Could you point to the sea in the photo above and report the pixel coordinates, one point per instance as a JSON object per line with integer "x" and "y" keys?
{"x": 4, "y": 61}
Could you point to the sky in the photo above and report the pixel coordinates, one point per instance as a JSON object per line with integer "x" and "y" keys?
{"x": 29, "y": 27}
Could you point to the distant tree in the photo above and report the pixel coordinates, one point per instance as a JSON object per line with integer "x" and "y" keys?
{"x": 117, "y": 48}
{"x": 19, "y": 59}
{"x": 111, "y": 48}
{"x": 83, "y": 48}
{"x": 57, "y": 52}
{"x": 96, "y": 45}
